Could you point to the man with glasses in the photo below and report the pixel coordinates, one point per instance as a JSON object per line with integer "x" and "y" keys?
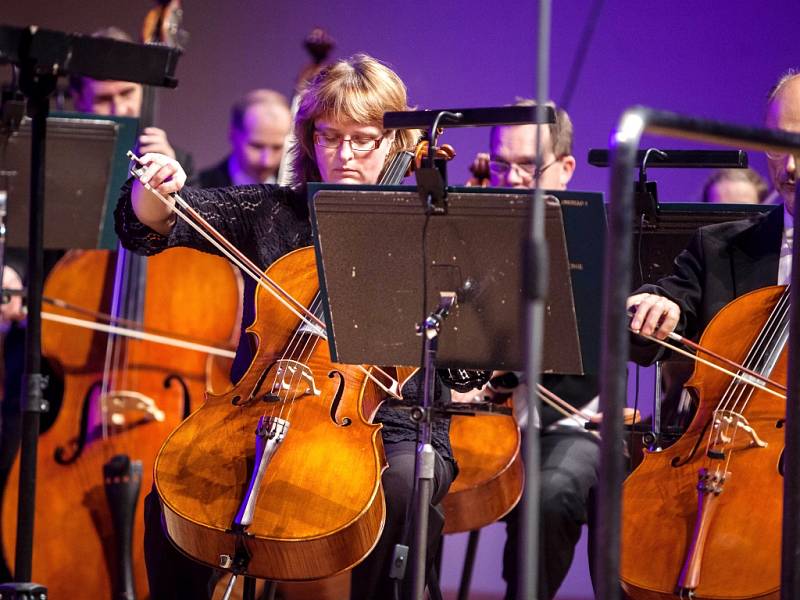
{"x": 569, "y": 454}
{"x": 512, "y": 158}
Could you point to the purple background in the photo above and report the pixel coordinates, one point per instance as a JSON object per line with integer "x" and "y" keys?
{"x": 713, "y": 59}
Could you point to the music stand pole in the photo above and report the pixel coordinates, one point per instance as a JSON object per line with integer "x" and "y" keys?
{"x": 37, "y": 87}
{"x": 535, "y": 264}
{"x": 425, "y": 464}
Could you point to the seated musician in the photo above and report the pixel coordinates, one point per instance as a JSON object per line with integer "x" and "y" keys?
{"x": 122, "y": 99}
{"x": 340, "y": 140}
{"x": 260, "y": 122}
{"x": 569, "y": 455}
{"x": 727, "y": 260}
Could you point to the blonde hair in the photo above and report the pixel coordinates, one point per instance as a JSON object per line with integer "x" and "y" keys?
{"x": 354, "y": 90}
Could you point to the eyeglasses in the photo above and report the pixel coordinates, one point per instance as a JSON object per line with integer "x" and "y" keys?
{"x": 358, "y": 143}
{"x": 526, "y": 170}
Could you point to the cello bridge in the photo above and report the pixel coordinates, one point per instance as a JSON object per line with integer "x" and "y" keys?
{"x": 290, "y": 380}
{"x": 725, "y": 427}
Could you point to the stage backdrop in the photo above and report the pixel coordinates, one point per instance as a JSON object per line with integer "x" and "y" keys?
{"x": 712, "y": 59}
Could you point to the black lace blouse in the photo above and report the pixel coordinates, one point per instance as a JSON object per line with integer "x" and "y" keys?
{"x": 265, "y": 222}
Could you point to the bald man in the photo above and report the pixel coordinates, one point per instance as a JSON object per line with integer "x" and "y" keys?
{"x": 259, "y": 125}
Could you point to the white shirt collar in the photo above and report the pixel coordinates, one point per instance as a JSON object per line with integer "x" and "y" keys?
{"x": 788, "y": 223}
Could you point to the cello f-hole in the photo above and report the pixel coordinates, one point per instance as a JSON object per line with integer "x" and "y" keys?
{"x": 337, "y": 398}
{"x": 678, "y": 462}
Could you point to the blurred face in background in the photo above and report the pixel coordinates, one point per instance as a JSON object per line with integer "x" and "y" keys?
{"x": 783, "y": 112}
{"x": 115, "y": 98}
{"x": 512, "y": 159}
{"x": 257, "y": 147}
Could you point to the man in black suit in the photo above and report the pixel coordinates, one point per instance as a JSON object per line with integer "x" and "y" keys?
{"x": 724, "y": 261}
{"x": 259, "y": 125}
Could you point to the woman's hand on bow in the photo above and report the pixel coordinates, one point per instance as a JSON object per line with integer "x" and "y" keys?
{"x": 164, "y": 175}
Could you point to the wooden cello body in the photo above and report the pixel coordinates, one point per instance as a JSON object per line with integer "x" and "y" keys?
{"x": 98, "y": 445}
{"x": 320, "y": 508}
{"x": 491, "y": 474}
{"x": 704, "y": 515}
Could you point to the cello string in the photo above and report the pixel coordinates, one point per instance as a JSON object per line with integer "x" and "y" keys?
{"x": 305, "y": 353}
{"x": 287, "y": 357}
{"x": 736, "y": 391}
{"x": 770, "y": 355}
{"x": 259, "y": 278}
{"x": 763, "y": 346}
{"x": 767, "y": 346}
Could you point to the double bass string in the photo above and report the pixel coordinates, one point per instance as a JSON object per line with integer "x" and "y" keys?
{"x": 112, "y": 358}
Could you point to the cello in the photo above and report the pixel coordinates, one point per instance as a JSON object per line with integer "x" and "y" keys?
{"x": 491, "y": 472}
{"x": 281, "y": 477}
{"x": 690, "y": 508}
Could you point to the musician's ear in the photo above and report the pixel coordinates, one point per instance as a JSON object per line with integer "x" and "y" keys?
{"x": 567, "y": 168}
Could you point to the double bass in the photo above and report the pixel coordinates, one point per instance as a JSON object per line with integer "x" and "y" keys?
{"x": 124, "y": 392}
{"x": 702, "y": 518}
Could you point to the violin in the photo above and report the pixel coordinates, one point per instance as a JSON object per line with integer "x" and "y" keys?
{"x": 706, "y": 512}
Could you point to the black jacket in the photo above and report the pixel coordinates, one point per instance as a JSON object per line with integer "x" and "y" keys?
{"x": 721, "y": 263}
{"x": 214, "y": 177}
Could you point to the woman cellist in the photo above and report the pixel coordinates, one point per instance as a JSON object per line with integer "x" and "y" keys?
{"x": 722, "y": 263}
{"x": 340, "y": 140}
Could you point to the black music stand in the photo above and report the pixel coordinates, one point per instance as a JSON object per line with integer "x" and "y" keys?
{"x": 659, "y": 239}
{"x": 78, "y": 208}
{"x": 385, "y": 262}
{"x": 369, "y": 244}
